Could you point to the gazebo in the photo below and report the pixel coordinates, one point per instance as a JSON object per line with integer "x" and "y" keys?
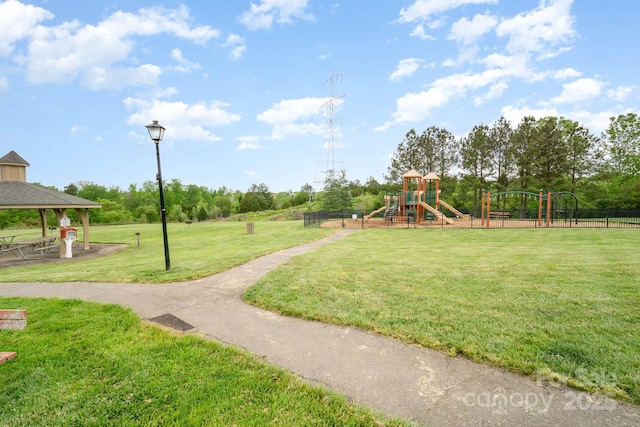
{"x": 17, "y": 193}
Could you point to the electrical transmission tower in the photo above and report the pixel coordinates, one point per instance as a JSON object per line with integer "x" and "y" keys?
{"x": 331, "y": 130}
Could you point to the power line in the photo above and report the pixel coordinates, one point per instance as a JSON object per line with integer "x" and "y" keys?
{"x": 331, "y": 130}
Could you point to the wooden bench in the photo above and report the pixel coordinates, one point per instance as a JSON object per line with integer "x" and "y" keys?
{"x": 16, "y": 250}
{"x": 45, "y": 249}
{"x": 11, "y": 319}
{"x": 498, "y": 214}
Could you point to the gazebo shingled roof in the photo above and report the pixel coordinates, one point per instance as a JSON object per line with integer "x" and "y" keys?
{"x": 16, "y": 193}
{"x": 22, "y": 195}
{"x": 13, "y": 158}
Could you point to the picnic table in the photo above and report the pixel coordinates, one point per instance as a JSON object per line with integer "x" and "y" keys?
{"x": 23, "y": 248}
{"x": 6, "y": 240}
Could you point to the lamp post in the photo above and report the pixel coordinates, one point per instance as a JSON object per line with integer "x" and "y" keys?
{"x": 156, "y": 132}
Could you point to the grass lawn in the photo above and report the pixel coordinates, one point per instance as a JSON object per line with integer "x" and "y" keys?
{"x": 196, "y": 251}
{"x": 559, "y": 303}
{"x": 86, "y": 364}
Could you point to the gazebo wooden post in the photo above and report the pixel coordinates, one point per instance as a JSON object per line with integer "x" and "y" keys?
{"x": 84, "y": 216}
{"x": 43, "y": 221}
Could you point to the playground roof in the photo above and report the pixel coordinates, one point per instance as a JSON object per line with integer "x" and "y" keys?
{"x": 431, "y": 177}
{"x": 412, "y": 174}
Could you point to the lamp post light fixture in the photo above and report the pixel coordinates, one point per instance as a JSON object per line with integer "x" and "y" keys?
{"x": 156, "y": 132}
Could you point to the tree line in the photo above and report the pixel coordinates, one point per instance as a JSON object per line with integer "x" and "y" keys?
{"x": 547, "y": 154}
{"x": 550, "y": 154}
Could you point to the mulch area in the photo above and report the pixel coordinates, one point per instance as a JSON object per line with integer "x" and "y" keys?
{"x": 95, "y": 251}
{"x": 459, "y": 223}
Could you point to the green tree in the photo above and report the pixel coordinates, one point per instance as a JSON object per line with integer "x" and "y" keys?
{"x": 623, "y": 141}
{"x": 501, "y": 138}
{"x": 476, "y": 154}
{"x": 71, "y": 189}
{"x": 257, "y": 198}
{"x": 523, "y": 149}
{"x": 435, "y": 150}
{"x": 336, "y": 194}
{"x": 581, "y": 152}
{"x": 549, "y": 154}
{"x": 90, "y": 191}
{"x": 372, "y": 186}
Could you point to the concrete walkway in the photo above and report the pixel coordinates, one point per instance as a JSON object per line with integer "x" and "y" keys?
{"x": 415, "y": 383}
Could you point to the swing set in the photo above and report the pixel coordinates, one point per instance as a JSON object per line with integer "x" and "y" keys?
{"x": 565, "y": 202}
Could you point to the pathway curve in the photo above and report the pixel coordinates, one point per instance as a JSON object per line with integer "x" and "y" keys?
{"x": 409, "y": 381}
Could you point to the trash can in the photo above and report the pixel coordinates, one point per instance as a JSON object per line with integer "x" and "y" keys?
{"x": 250, "y": 226}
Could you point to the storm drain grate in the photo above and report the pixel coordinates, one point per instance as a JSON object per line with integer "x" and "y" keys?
{"x": 171, "y": 321}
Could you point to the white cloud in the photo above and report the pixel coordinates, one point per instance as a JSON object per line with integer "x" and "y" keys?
{"x": 4, "y": 84}
{"x": 263, "y": 15}
{"x": 249, "y": 146}
{"x": 621, "y": 92}
{"x": 75, "y": 129}
{"x": 596, "y": 122}
{"x": 236, "y": 45}
{"x": 468, "y": 32}
{"x": 183, "y": 121}
{"x": 528, "y": 37}
{"x": 540, "y": 30}
{"x": 97, "y": 55}
{"x": 424, "y": 9}
{"x": 495, "y": 91}
{"x": 566, "y": 73}
{"x": 249, "y": 143}
{"x": 466, "y": 54}
{"x": 579, "y": 90}
{"x": 184, "y": 65}
{"x": 406, "y": 68}
{"x": 18, "y": 21}
{"x": 415, "y": 107}
{"x": 237, "y": 52}
{"x": 515, "y": 114}
{"x": 294, "y": 117}
{"x": 420, "y": 33}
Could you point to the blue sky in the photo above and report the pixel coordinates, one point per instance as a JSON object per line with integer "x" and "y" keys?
{"x": 240, "y": 85}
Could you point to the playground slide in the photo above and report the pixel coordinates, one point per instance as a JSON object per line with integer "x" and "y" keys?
{"x": 436, "y": 212}
{"x": 451, "y": 209}
{"x": 377, "y": 211}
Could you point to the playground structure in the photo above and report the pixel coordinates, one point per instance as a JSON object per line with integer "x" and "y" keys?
{"x": 419, "y": 206}
{"x": 414, "y": 208}
{"x": 418, "y": 202}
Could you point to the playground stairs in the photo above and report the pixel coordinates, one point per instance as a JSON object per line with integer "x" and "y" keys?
{"x": 390, "y": 213}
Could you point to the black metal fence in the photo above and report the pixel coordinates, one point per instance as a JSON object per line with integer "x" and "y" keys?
{"x": 580, "y": 218}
